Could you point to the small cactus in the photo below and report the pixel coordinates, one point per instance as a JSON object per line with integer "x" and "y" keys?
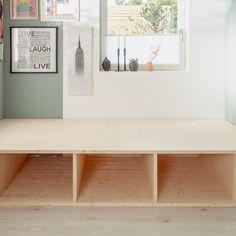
{"x": 133, "y": 60}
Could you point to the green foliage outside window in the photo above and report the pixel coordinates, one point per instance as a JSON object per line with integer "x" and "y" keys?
{"x": 156, "y": 16}
{"x": 160, "y": 16}
{"x": 129, "y": 2}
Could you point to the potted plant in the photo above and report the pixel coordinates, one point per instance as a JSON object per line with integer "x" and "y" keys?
{"x": 133, "y": 64}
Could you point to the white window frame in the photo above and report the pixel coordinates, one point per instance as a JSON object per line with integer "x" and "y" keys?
{"x": 182, "y": 33}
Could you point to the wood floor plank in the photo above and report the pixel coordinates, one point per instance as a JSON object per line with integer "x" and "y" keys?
{"x": 118, "y": 221}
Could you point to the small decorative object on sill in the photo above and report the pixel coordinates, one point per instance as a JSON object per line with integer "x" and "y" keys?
{"x": 106, "y": 64}
{"x": 125, "y": 53}
{"x": 149, "y": 66}
{"x": 154, "y": 54}
{"x": 133, "y": 64}
{"x": 118, "y": 54}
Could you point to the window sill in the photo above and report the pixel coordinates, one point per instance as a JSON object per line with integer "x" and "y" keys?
{"x": 142, "y": 69}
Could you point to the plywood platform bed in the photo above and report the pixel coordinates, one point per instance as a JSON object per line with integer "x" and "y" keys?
{"x": 117, "y": 163}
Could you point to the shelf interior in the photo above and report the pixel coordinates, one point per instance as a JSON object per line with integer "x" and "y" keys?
{"x": 122, "y": 179}
{"x": 42, "y": 179}
{"x": 115, "y": 179}
{"x": 195, "y": 178}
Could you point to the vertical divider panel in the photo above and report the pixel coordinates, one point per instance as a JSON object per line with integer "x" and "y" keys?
{"x": 151, "y": 164}
{"x": 234, "y": 179}
{"x": 156, "y": 175}
{"x": 9, "y": 166}
{"x": 78, "y": 166}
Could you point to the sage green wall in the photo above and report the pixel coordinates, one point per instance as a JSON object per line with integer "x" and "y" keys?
{"x": 1, "y": 92}
{"x": 31, "y": 95}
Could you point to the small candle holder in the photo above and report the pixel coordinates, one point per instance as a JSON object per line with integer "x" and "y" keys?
{"x": 118, "y": 59}
{"x": 125, "y": 55}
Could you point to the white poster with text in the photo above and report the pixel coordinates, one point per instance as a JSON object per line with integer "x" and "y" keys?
{"x": 34, "y": 50}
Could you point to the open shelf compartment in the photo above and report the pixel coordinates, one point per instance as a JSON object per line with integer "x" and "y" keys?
{"x": 35, "y": 179}
{"x": 118, "y": 180}
{"x": 101, "y": 179}
{"x": 196, "y": 179}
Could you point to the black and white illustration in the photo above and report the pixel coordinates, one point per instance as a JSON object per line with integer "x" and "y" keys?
{"x": 78, "y": 49}
{"x": 79, "y": 60}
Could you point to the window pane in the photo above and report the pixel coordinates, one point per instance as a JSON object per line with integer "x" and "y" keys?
{"x": 140, "y": 47}
{"x": 141, "y": 17}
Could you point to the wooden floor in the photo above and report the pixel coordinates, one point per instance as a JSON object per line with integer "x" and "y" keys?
{"x": 118, "y": 221}
{"x": 115, "y": 136}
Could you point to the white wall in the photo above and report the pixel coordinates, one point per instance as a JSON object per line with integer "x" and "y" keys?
{"x": 231, "y": 65}
{"x": 198, "y": 93}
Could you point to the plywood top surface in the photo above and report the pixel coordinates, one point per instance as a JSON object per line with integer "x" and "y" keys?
{"x": 117, "y": 136}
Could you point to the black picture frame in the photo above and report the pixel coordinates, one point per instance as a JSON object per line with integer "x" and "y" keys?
{"x": 12, "y": 71}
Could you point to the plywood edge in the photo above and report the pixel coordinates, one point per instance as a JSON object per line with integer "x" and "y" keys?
{"x": 155, "y": 177}
{"x": 10, "y": 164}
{"x": 151, "y": 165}
{"x": 78, "y": 166}
{"x": 234, "y": 178}
{"x": 155, "y": 196}
{"x": 95, "y": 204}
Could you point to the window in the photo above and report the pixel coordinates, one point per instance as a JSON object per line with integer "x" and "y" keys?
{"x": 144, "y": 27}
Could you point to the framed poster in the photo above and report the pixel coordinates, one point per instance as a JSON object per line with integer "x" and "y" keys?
{"x": 78, "y": 59}
{"x": 1, "y": 20}
{"x": 24, "y": 9}
{"x": 59, "y": 10}
{"x": 34, "y": 49}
